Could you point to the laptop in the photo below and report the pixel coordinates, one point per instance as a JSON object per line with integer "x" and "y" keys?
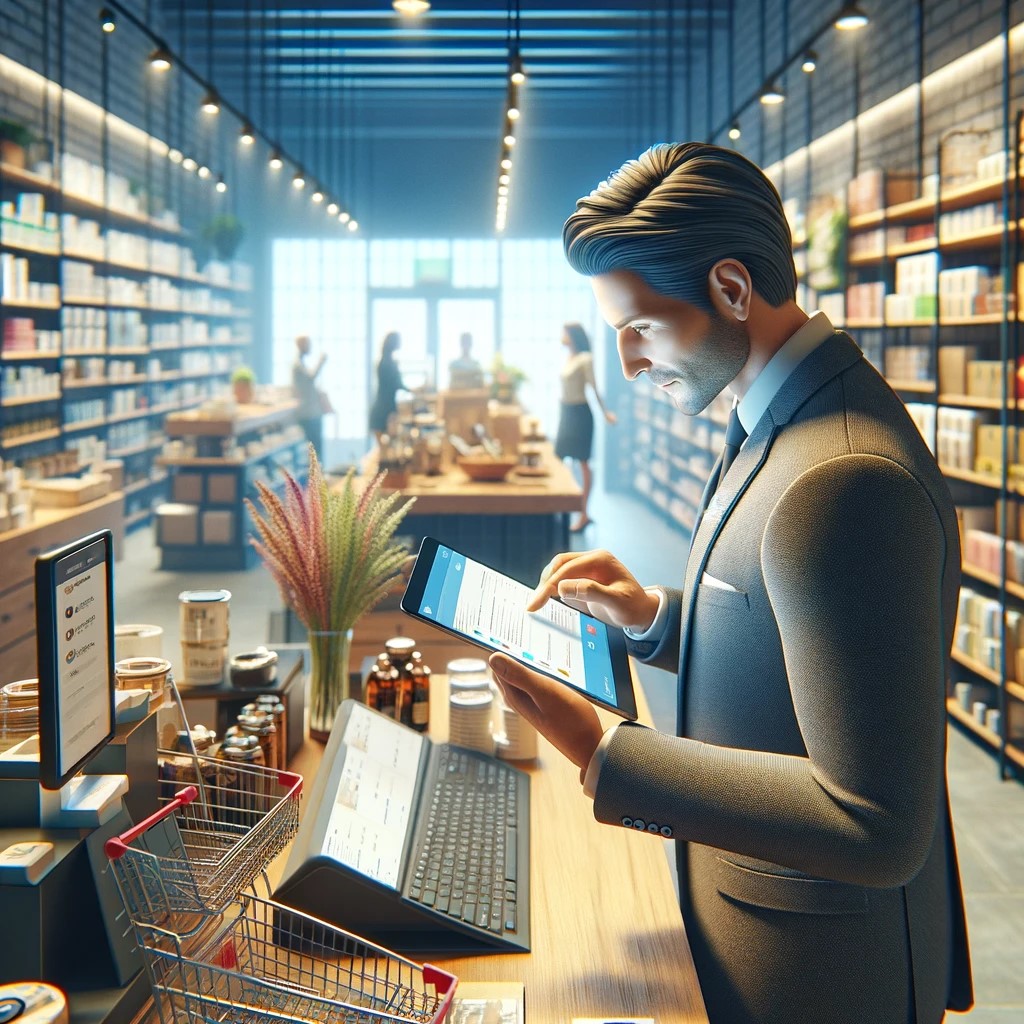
{"x": 416, "y": 845}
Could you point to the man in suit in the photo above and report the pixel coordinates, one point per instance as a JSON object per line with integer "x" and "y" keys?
{"x": 806, "y": 786}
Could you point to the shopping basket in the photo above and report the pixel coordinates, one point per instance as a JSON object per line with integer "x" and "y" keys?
{"x": 207, "y": 844}
{"x": 256, "y": 961}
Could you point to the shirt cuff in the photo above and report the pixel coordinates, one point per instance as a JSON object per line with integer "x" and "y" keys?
{"x": 597, "y": 763}
{"x": 655, "y": 630}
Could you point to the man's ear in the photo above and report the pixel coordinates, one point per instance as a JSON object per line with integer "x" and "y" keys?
{"x": 730, "y": 289}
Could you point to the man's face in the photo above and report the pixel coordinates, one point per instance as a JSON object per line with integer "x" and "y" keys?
{"x": 692, "y": 355}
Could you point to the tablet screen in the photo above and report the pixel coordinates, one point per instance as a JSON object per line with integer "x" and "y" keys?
{"x": 490, "y": 608}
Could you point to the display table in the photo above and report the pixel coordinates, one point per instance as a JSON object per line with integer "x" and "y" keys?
{"x": 50, "y": 528}
{"x": 515, "y": 525}
{"x": 607, "y": 936}
{"x": 206, "y": 524}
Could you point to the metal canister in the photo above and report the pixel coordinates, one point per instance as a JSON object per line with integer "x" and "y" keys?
{"x": 260, "y": 723}
{"x": 243, "y": 783}
{"x": 272, "y": 704}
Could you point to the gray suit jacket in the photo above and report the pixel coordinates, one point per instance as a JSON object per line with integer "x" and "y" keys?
{"x": 806, "y": 787}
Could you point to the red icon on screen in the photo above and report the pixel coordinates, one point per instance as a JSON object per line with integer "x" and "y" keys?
{"x": 591, "y": 629}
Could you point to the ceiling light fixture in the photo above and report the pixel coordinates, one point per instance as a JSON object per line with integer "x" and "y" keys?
{"x": 734, "y": 131}
{"x": 503, "y": 190}
{"x": 222, "y": 185}
{"x": 204, "y": 171}
{"x": 411, "y": 8}
{"x": 298, "y": 180}
{"x": 851, "y": 17}
{"x": 107, "y": 20}
{"x": 512, "y": 113}
{"x": 344, "y": 216}
{"x": 247, "y": 136}
{"x": 353, "y": 225}
{"x": 506, "y": 163}
{"x": 503, "y": 179}
{"x": 332, "y": 208}
{"x": 211, "y": 102}
{"x": 509, "y": 140}
{"x": 189, "y": 164}
{"x": 276, "y": 162}
{"x": 518, "y": 75}
{"x": 160, "y": 58}
{"x": 810, "y": 62}
{"x": 175, "y": 156}
{"x": 318, "y": 196}
{"x": 772, "y": 95}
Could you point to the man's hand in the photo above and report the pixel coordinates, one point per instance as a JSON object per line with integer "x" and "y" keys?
{"x": 567, "y": 719}
{"x": 597, "y": 583}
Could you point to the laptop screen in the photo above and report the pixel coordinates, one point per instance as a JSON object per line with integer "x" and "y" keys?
{"x": 375, "y": 797}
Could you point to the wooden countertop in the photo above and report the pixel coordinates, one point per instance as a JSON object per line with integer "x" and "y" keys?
{"x": 606, "y": 930}
{"x": 453, "y": 493}
{"x": 247, "y": 418}
{"x": 44, "y": 517}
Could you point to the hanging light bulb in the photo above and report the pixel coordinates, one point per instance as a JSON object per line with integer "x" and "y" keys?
{"x": 506, "y": 163}
{"x": 160, "y": 58}
{"x": 204, "y": 171}
{"x": 512, "y": 113}
{"x": 175, "y": 156}
{"x": 318, "y": 196}
{"x": 850, "y": 18}
{"x": 298, "y": 179}
{"x": 503, "y": 179}
{"x": 509, "y": 140}
{"x": 332, "y": 208}
{"x": 772, "y": 95}
{"x": 222, "y": 185}
{"x": 411, "y": 8}
{"x": 211, "y": 102}
{"x": 276, "y": 162}
{"x": 810, "y": 62}
{"x": 518, "y": 75}
{"x": 344, "y": 216}
{"x": 189, "y": 164}
{"x": 734, "y": 131}
{"x": 503, "y": 190}
{"x": 353, "y": 225}
{"x": 247, "y": 136}
{"x": 107, "y": 20}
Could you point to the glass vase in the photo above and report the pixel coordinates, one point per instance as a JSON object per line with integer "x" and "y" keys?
{"x": 328, "y": 679}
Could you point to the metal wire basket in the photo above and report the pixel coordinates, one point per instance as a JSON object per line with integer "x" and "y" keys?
{"x": 273, "y": 964}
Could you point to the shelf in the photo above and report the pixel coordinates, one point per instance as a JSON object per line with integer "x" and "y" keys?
{"x": 29, "y": 400}
{"x": 984, "y": 576}
{"x": 920, "y": 209}
{"x": 141, "y": 485}
{"x": 19, "y": 176}
{"x": 973, "y": 401}
{"x": 861, "y": 258}
{"x": 34, "y": 354}
{"x": 966, "y": 718}
{"x": 984, "y": 479}
{"x": 41, "y": 435}
{"x": 982, "y": 238}
{"x": 135, "y": 449}
{"x": 28, "y": 304}
{"x": 924, "y": 387}
{"x": 34, "y": 250}
{"x": 139, "y": 220}
{"x": 986, "y": 673}
{"x": 73, "y": 428}
{"x": 865, "y": 322}
{"x": 138, "y": 350}
{"x": 134, "y": 414}
{"x": 102, "y": 382}
{"x": 1015, "y": 755}
{"x": 137, "y": 517}
{"x": 1015, "y": 690}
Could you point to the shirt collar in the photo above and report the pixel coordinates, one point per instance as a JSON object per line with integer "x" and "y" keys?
{"x": 777, "y": 370}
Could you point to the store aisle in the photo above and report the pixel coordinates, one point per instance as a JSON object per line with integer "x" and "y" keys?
{"x": 989, "y": 815}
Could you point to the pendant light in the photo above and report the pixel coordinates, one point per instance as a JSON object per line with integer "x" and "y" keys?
{"x": 107, "y": 20}
{"x": 851, "y": 18}
{"x": 772, "y": 95}
{"x": 411, "y": 8}
{"x": 160, "y": 57}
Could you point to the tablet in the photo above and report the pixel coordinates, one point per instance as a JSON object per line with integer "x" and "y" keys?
{"x": 487, "y": 608}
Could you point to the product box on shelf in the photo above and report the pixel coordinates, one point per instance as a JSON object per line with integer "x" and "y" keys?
{"x": 876, "y": 188}
{"x": 177, "y": 524}
{"x": 953, "y": 362}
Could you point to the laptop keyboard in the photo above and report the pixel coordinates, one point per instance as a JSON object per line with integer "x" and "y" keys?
{"x": 466, "y": 865}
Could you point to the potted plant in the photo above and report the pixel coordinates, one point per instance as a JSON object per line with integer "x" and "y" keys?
{"x": 505, "y": 380}
{"x": 15, "y": 139}
{"x": 331, "y": 551}
{"x": 224, "y": 233}
{"x": 243, "y": 383}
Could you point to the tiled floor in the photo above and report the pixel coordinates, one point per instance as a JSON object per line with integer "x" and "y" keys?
{"x": 988, "y": 814}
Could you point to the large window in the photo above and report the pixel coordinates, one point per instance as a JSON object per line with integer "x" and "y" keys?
{"x": 512, "y": 296}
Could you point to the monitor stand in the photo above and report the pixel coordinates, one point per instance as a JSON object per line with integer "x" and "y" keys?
{"x": 87, "y": 801}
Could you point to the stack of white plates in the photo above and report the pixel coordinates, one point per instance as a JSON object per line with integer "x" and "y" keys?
{"x": 519, "y": 741}
{"x": 469, "y": 720}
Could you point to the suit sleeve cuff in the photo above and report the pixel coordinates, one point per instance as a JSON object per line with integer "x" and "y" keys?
{"x": 597, "y": 763}
{"x": 656, "y": 629}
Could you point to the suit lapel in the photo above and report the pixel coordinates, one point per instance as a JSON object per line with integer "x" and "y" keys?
{"x": 831, "y": 358}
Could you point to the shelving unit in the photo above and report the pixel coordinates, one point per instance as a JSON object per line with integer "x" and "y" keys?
{"x": 206, "y": 525}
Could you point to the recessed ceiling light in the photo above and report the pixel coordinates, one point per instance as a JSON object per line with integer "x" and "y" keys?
{"x": 411, "y": 7}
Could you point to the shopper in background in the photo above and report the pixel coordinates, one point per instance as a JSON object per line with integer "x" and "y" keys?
{"x": 307, "y": 394}
{"x": 806, "y": 787}
{"x": 389, "y": 383}
{"x": 464, "y": 371}
{"x": 575, "y": 438}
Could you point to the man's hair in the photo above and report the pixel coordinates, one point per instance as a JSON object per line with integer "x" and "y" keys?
{"x": 670, "y": 215}
{"x": 577, "y": 337}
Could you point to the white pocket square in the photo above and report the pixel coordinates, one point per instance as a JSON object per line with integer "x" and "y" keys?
{"x": 707, "y": 580}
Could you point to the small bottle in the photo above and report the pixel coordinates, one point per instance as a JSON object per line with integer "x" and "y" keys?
{"x": 387, "y": 687}
{"x": 420, "y": 674}
{"x": 400, "y": 649}
{"x": 371, "y": 689}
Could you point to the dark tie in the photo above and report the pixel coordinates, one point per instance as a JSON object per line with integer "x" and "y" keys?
{"x": 735, "y": 435}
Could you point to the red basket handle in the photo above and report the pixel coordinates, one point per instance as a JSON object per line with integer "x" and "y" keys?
{"x": 117, "y": 846}
{"x": 292, "y": 780}
{"x": 443, "y": 982}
